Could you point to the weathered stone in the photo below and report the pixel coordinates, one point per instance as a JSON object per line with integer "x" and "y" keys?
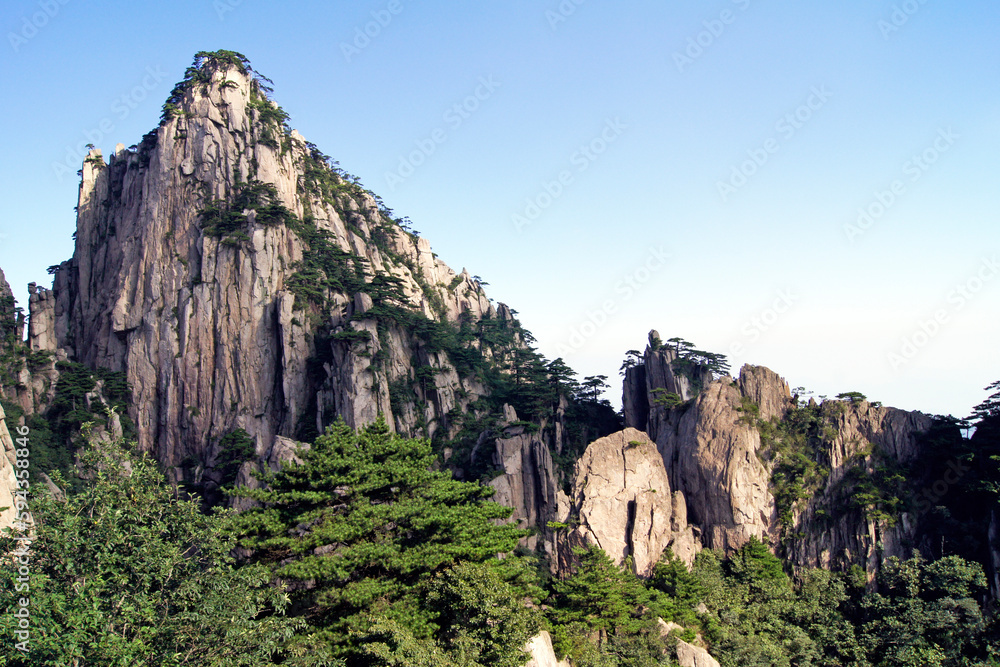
{"x": 542, "y": 653}
{"x": 766, "y": 389}
{"x": 8, "y": 477}
{"x": 694, "y": 656}
{"x": 711, "y": 456}
{"x": 622, "y": 498}
{"x": 712, "y": 452}
{"x": 207, "y": 329}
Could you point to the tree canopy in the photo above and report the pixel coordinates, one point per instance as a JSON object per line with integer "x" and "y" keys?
{"x": 366, "y": 525}
{"x": 125, "y": 573}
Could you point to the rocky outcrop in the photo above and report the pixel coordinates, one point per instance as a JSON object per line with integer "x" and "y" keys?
{"x": 8, "y": 317}
{"x": 647, "y": 384}
{"x": 714, "y": 456}
{"x": 622, "y": 502}
{"x": 689, "y": 655}
{"x": 829, "y": 533}
{"x": 25, "y": 380}
{"x": 711, "y": 456}
{"x": 8, "y": 478}
{"x": 765, "y": 389}
{"x": 542, "y": 653}
{"x": 207, "y": 326}
{"x": 528, "y": 482}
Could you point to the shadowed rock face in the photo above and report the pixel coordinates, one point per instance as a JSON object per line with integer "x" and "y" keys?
{"x": 711, "y": 456}
{"x": 528, "y": 481}
{"x": 207, "y": 330}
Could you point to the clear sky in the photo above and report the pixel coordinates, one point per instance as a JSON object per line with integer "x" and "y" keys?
{"x": 697, "y": 168}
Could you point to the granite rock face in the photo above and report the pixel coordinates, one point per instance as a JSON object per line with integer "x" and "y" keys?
{"x": 714, "y": 456}
{"x": 8, "y": 477}
{"x": 542, "y": 653}
{"x": 711, "y": 457}
{"x": 689, "y": 655}
{"x": 528, "y": 481}
{"x": 838, "y": 539}
{"x": 622, "y": 502}
{"x": 206, "y": 327}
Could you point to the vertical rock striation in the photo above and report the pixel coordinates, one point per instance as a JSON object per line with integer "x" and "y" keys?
{"x": 216, "y": 328}
{"x": 8, "y": 478}
{"x": 715, "y": 456}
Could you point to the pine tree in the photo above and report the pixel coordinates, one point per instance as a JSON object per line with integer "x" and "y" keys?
{"x": 368, "y": 524}
{"x": 124, "y": 573}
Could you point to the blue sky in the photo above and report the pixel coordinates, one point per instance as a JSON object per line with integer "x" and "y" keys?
{"x": 697, "y": 168}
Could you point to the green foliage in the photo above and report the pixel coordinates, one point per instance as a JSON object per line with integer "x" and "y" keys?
{"x": 989, "y": 407}
{"x": 691, "y": 363}
{"x": 852, "y": 396}
{"x": 632, "y": 359}
{"x": 124, "y": 573}
{"x": 599, "y": 597}
{"x": 925, "y": 614}
{"x": 81, "y": 396}
{"x": 235, "y": 448}
{"x": 324, "y": 267}
{"x": 667, "y": 399}
{"x": 795, "y": 446}
{"x": 757, "y": 618}
{"x": 352, "y": 336}
{"x": 367, "y": 520}
{"x": 682, "y": 590}
{"x": 222, "y": 219}
{"x": 877, "y": 489}
{"x": 203, "y": 67}
{"x": 483, "y": 621}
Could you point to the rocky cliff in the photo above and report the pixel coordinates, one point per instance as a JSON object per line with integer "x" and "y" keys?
{"x": 8, "y": 479}
{"x": 750, "y": 460}
{"x": 242, "y": 281}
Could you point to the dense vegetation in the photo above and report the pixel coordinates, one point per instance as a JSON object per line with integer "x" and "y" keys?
{"x": 364, "y": 555}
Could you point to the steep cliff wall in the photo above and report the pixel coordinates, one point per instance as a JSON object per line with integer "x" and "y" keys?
{"x": 751, "y": 461}
{"x": 225, "y": 266}
{"x": 712, "y": 458}
{"x": 8, "y": 479}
